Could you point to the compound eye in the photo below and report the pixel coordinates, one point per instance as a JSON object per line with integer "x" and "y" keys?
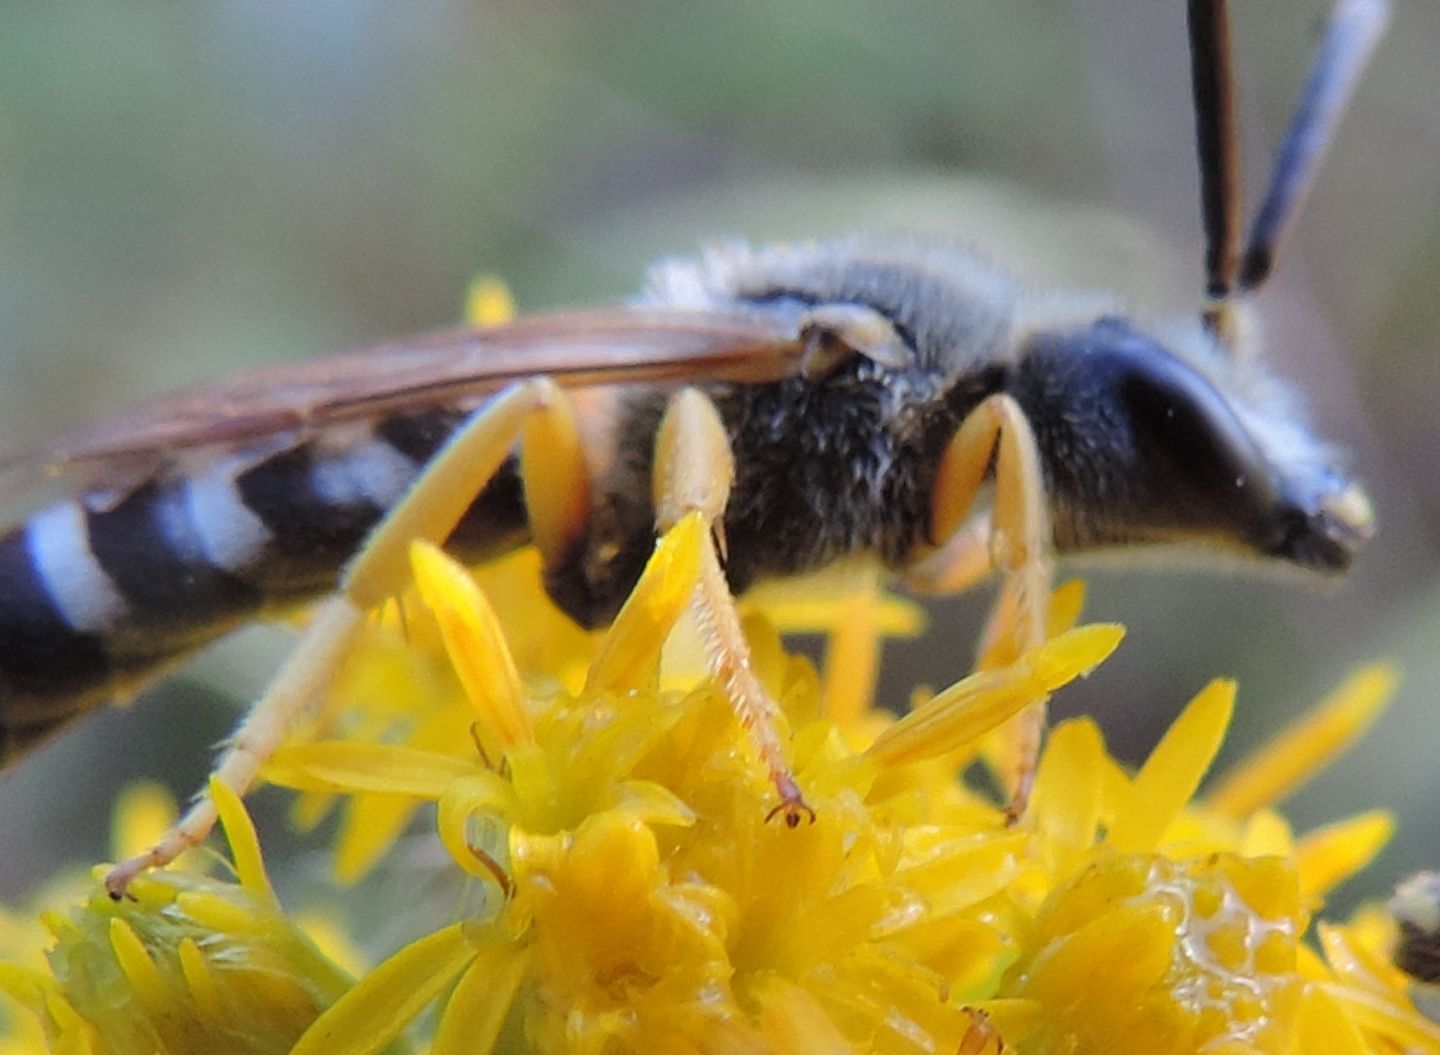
{"x": 1140, "y": 446}
{"x": 1189, "y": 439}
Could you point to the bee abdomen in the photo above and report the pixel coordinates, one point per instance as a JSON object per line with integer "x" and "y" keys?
{"x": 97, "y": 596}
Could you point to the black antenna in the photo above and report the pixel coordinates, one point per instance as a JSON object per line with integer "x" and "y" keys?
{"x": 1213, "y": 85}
{"x": 1350, "y": 37}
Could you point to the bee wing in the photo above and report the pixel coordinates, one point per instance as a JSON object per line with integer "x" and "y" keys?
{"x": 575, "y": 348}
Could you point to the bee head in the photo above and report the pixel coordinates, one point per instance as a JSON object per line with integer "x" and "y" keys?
{"x": 1144, "y": 445}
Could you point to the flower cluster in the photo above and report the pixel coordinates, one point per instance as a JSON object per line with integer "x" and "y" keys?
{"x": 600, "y": 796}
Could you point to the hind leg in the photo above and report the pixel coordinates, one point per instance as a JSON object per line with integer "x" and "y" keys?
{"x": 538, "y": 415}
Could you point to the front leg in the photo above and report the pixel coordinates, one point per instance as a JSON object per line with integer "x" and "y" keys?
{"x": 694, "y": 470}
{"x": 1013, "y": 539}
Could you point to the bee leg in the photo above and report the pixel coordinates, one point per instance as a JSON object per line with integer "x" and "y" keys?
{"x": 694, "y": 469}
{"x": 532, "y": 411}
{"x": 1016, "y": 540}
{"x": 835, "y": 333}
{"x": 963, "y": 561}
{"x": 981, "y": 1037}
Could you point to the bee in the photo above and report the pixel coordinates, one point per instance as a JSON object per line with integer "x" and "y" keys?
{"x": 807, "y": 402}
{"x": 1416, "y": 908}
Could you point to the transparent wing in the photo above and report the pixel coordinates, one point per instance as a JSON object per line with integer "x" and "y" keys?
{"x": 576, "y": 348}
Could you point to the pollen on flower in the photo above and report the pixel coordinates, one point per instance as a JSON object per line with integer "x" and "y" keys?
{"x": 606, "y": 811}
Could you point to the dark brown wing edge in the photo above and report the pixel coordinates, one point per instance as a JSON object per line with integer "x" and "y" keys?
{"x": 583, "y": 347}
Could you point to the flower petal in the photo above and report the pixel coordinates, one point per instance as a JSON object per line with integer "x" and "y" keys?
{"x": 476, "y": 644}
{"x": 1324, "y": 1027}
{"x": 385, "y": 1001}
{"x": 144, "y": 812}
{"x": 244, "y": 843}
{"x": 337, "y": 766}
{"x": 1065, "y": 805}
{"x": 972, "y": 707}
{"x": 369, "y": 828}
{"x": 483, "y": 793}
{"x": 144, "y": 978}
{"x": 488, "y": 301}
{"x": 1329, "y": 855}
{"x": 1174, "y": 770}
{"x": 480, "y": 1003}
{"x": 1304, "y": 748}
{"x": 653, "y": 803}
{"x": 630, "y": 650}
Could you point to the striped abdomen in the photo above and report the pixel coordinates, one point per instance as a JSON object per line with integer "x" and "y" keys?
{"x": 98, "y": 595}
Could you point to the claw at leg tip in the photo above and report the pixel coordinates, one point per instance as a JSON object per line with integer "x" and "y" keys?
{"x": 792, "y": 807}
{"x": 119, "y": 878}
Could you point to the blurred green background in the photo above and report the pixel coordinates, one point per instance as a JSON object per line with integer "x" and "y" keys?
{"x": 188, "y": 189}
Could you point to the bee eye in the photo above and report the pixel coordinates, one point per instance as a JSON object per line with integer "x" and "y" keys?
{"x": 1140, "y": 446}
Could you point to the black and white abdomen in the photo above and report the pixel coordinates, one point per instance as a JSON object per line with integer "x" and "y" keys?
{"x": 101, "y": 593}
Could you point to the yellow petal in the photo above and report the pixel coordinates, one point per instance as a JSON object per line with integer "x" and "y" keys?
{"x": 75, "y": 1042}
{"x": 476, "y": 645}
{"x": 383, "y": 1003}
{"x": 1129, "y": 947}
{"x": 244, "y": 843}
{"x": 478, "y": 1007}
{"x": 794, "y": 1022}
{"x": 146, "y": 982}
{"x": 144, "y": 812}
{"x": 1270, "y": 774}
{"x": 1405, "y": 1029}
{"x": 25, "y": 986}
{"x": 488, "y": 302}
{"x": 807, "y": 605}
{"x": 199, "y": 979}
{"x": 336, "y": 766}
{"x": 1066, "y": 604}
{"x": 1174, "y": 770}
{"x": 483, "y": 793}
{"x": 650, "y": 802}
{"x": 630, "y": 650}
{"x": 333, "y": 941}
{"x": 852, "y": 655}
{"x": 370, "y": 826}
{"x": 1328, "y": 856}
{"x": 1065, "y": 805}
{"x": 220, "y": 914}
{"x": 972, "y": 707}
{"x": 1356, "y": 965}
{"x": 1267, "y": 834}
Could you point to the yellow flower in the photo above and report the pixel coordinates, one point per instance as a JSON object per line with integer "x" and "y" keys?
{"x": 184, "y": 963}
{"x": 611, "y": 814}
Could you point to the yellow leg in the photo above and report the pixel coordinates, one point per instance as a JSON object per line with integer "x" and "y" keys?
{"x": 557, "y": 506}
{"x": 964, "y": 561}
{"x": 693, "y": 472}
{"x": 1015, "y": 540}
